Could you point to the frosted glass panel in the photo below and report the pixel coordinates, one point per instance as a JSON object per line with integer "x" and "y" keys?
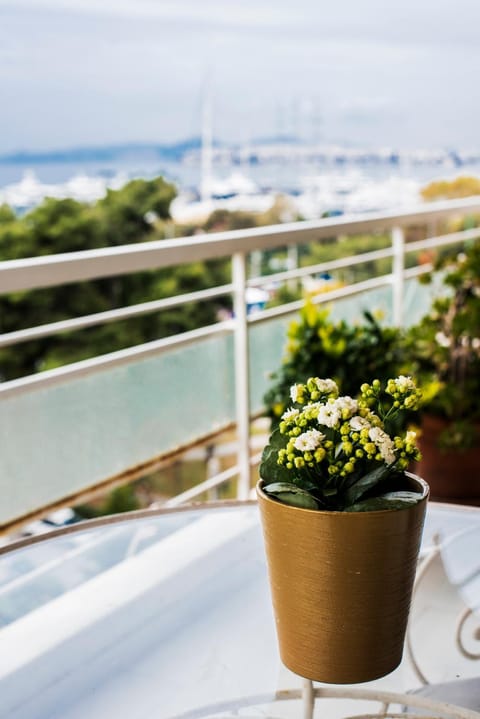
{"x": 60, "y": 440}
{"x": 267, "y": 342}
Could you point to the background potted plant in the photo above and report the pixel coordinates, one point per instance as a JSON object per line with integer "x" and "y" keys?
{"x": 342, "y": 523}
{"x": 444, "y": 351}
{"x": 319, "y": 346}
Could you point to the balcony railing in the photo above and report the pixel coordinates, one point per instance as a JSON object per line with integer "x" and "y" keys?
{"x": 114, "y": 417}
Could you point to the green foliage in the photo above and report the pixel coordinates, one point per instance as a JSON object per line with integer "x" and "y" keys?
{"x": 444, "y": 348}
{"x": 463, "y": 186}
{"x": 337, "y": 453}
{"x": 121, "y": 499}
{"x": 350, "y": 354}
{"x": 222, "y": 220}
{"x": 131, "y": 212}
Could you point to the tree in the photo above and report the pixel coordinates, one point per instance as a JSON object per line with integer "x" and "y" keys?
{"x": 463, "y": 186}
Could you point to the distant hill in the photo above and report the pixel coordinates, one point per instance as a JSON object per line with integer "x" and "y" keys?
{"x": 107, "y": 153}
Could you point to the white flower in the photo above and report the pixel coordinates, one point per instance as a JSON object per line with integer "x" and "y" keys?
{"x": 387, "y": 450}
{"x": 405, "y": 383}
{"x": 358, "y": 423}
{"x": 290, "y": 413}
{"x": 327, "y": 386}
{"x": 377, "y": 435}
{"x": 329, "y": 415}
{"x": 346, "y": 405}
{"x": 383, "y": 443}
{"x": 410, "y": 437}
{"x": 309, "y": 440}
{"x": 294, "y": 392}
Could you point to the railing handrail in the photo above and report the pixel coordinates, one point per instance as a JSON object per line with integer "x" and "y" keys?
{"x": 50, "y": 270}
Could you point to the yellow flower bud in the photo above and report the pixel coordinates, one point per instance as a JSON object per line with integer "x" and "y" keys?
{"x": 347, "y": 447}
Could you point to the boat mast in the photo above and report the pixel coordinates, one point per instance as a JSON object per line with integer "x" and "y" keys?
{"x": 207, "y": 144}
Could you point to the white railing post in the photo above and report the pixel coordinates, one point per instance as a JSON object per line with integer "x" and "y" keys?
{"x": 292, "y": 264}
{"x": 242, "y": 385}
{"x": 398, "y": 279}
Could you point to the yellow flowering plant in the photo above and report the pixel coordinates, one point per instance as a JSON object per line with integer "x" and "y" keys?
{"x": 338, "y": 453}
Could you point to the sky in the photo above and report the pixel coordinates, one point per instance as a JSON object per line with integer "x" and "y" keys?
{"x": 357, "y": 72}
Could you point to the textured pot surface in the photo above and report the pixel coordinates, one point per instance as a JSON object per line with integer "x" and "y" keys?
{"x": 452, "y": 475}
{"x": 341, "y": 586}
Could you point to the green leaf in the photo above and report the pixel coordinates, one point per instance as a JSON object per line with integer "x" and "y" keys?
{"x": 390, "y": 500}
{"x": 269, "y": 470}
{"x": 365, "y": 483}
{"x": 289, "y": 493}
{"x": 329, "y": 491}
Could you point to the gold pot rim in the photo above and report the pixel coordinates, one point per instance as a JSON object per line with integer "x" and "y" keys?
{"x": 330, "y": 512}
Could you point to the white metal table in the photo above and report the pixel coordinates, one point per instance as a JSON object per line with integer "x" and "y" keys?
{"x": 168, "y": 614}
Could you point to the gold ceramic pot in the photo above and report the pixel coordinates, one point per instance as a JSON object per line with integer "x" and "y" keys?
{"x": 341, "y": 586}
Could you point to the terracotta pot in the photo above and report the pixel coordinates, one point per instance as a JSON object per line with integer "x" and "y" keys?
{"x": 341, "y": 586}
{"x": 452, "y": 474}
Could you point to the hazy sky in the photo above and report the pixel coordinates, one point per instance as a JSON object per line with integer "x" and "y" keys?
{"x": 365, "y": 72}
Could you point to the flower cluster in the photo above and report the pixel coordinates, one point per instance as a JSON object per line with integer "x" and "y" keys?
{"x": 326, "y": 444}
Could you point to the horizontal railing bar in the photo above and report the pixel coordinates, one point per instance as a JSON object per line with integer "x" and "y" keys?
{"x": 255, "y": 459}
{"x": 413, "y": 272}
{"x": 441, "y": 240}
{"x": 349, "y": 261}
{"x": 123, "y": 313}
{"x": 113, "y": 359}
{"x": 339, "y": 293}
{"x": 210, "y": 483}
{"x": 50, "y": 270}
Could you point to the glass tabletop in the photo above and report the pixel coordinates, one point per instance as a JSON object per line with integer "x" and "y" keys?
{"x": 168, "y": 614}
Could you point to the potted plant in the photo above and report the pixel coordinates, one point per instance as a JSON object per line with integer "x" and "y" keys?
{"x": 317, "y": 345}
{"x": 342, "y": 523}
{"x": 444, "y": 349}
